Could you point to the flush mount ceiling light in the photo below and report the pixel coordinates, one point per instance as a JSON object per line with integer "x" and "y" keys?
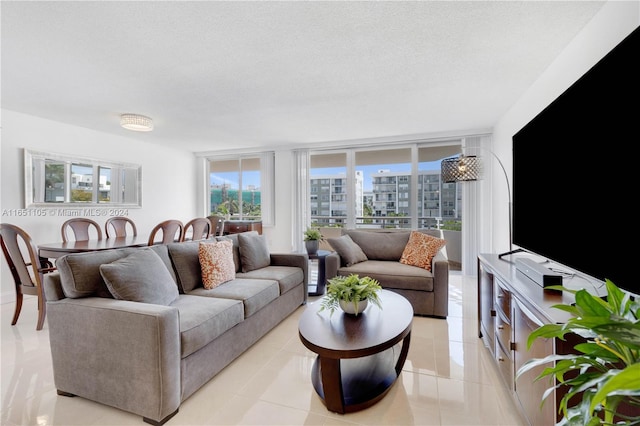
{"x": 136, "y": 122}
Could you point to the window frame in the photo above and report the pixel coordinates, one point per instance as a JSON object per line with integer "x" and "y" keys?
{"x": 34, "y": 196}
{"x": 266, "y": 162}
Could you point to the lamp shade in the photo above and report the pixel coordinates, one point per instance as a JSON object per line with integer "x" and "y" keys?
{"x": 136, "y": 122}
{"x": 462, "y": 168}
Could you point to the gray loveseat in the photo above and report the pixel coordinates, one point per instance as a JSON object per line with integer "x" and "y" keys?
{"x": 147, "y": 358}
{"x": 427, "y": 291}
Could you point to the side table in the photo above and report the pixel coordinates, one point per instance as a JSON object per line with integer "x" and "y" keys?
{"x": 322, "y": 280}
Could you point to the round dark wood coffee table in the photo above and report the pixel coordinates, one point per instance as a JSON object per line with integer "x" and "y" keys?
{"x": 359, "y": 358}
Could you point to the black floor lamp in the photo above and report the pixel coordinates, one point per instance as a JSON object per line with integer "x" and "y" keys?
{"x": 464, "y": 168}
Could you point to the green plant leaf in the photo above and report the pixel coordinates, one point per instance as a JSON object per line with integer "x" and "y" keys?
{"x": 588, "y": 305}
{"x": 624, "y": 382}
{"x": 628, "y": 334}
{"x": 351, "y": 289}
{"x": 611, "y": 330}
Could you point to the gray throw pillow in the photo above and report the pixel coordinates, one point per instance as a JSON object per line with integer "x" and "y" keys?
{"x": 254, "y": 253}
{"x": 350, "y": 253}
{"x": 140, "y": 277}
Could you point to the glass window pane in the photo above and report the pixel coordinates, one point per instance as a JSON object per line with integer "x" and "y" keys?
{"x": 251, "y": 199}
{"x": 235, "y": 188}
{"x": 104, "y": 185}
{"x": 81, "y": 183}
{"x": 328, "y": 189}
{"x": 224, "y": 181}
{"x": 437, "y": 203}
{"x": 386, "y": 187}
{"x": 54, "y": 182}
{"x": 129, "y": 185}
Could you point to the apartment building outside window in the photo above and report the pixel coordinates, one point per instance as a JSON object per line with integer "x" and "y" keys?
{"x": 237, "y": 187}
{"x": 383, "y": 191}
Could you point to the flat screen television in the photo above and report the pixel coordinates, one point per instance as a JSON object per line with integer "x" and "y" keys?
{"x": 575, "y": 177}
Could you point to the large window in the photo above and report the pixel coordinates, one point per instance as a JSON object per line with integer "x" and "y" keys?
{"x": 239, "y": 187}
{"x": 396, "y": 187}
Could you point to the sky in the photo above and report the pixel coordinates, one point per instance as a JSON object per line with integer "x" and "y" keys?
{"x": 253, "y": 178}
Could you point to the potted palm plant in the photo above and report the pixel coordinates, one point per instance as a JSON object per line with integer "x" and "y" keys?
{"x": 312, "y": 238}
{"x": 604, "y": 373}
{"x": 351, "y": 293}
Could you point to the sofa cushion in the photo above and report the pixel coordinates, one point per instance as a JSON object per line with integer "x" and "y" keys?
{"x": 392, "y": 274}
{"x": 350, "y": 252}
{"x": 236, "y": 249}
{"x": 254, "y": 294}
{"x": 254, "y": 253}
{"x": 140, "y": 277}
{"x": 80, "y": 272}
{"x": 216, "y": 263}
{"x": 162, "y": 251}
{"x": 420, "y": 250}
{"x": 288, "y": 277}
{"x": 380, "y": 245}
{"x": 184, "y": 257}
{"x": 203, "y": 319}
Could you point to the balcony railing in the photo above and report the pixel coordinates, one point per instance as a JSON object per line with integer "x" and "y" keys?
{"x": 398, "y": 222}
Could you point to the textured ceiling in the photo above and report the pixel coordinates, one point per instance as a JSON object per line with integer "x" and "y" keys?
{"x": 222, "y": 75}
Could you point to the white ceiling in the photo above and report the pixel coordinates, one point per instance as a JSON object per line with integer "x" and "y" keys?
{"x": 223, "y": 75}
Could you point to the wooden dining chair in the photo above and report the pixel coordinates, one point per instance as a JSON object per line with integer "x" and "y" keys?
{"x": 217, "y": 224}
{"x": 117, "y": 227}
{"x": 81, "y": 228}
{"x": 197, "y": 229}
{"x": 27, "y": 272}
{"x": 172, "y": 231}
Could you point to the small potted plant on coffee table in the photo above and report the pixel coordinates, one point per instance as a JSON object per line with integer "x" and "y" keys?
{"x": 351, "y": 293}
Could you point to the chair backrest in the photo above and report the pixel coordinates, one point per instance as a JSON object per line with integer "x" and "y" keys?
{"x": 15, "y": 244}
{"x": 217, "y": 224}
{"x": 200, "y": 228}
{"x": 81, "y": 227}
{"x": 117, "y": 227}
{"x": 172, "y": 230}
{"x": 27, "y": 271}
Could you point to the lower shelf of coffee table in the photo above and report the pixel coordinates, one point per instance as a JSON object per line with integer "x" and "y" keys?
{"x": 364, "y": 380}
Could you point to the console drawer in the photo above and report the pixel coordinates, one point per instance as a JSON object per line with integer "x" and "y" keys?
{"x": 504, "y": 334}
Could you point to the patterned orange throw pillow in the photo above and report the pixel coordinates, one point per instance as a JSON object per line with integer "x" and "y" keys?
{"x": 216, "y": 263}
{"x": 420, "y": 250}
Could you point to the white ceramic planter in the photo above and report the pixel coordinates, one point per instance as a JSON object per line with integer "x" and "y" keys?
{"x": 350, "y": 309}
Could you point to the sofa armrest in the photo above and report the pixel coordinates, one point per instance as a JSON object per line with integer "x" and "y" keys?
{"x": 300, "y": 260}
{"x": 52, "y": 287}
{"x": 331, "y": 265}
{"x": 120, "y": 353}
{"x": 440, "y": 270}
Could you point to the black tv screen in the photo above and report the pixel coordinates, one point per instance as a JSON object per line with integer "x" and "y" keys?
{"x": 575, "y": 175}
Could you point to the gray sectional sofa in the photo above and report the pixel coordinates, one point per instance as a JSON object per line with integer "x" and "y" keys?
{"x": 427, "y": 291}
{"x": 146, "y": 358}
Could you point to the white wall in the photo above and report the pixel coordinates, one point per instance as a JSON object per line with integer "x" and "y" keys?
{"x": 609, "y": 27}
{"x": 169, "y": 177}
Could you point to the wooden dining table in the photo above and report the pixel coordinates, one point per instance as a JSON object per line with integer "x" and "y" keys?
{"x": 58, "y": 249}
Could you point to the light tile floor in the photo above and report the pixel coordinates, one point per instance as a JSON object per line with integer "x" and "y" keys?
{"x": 448, "y": 379}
